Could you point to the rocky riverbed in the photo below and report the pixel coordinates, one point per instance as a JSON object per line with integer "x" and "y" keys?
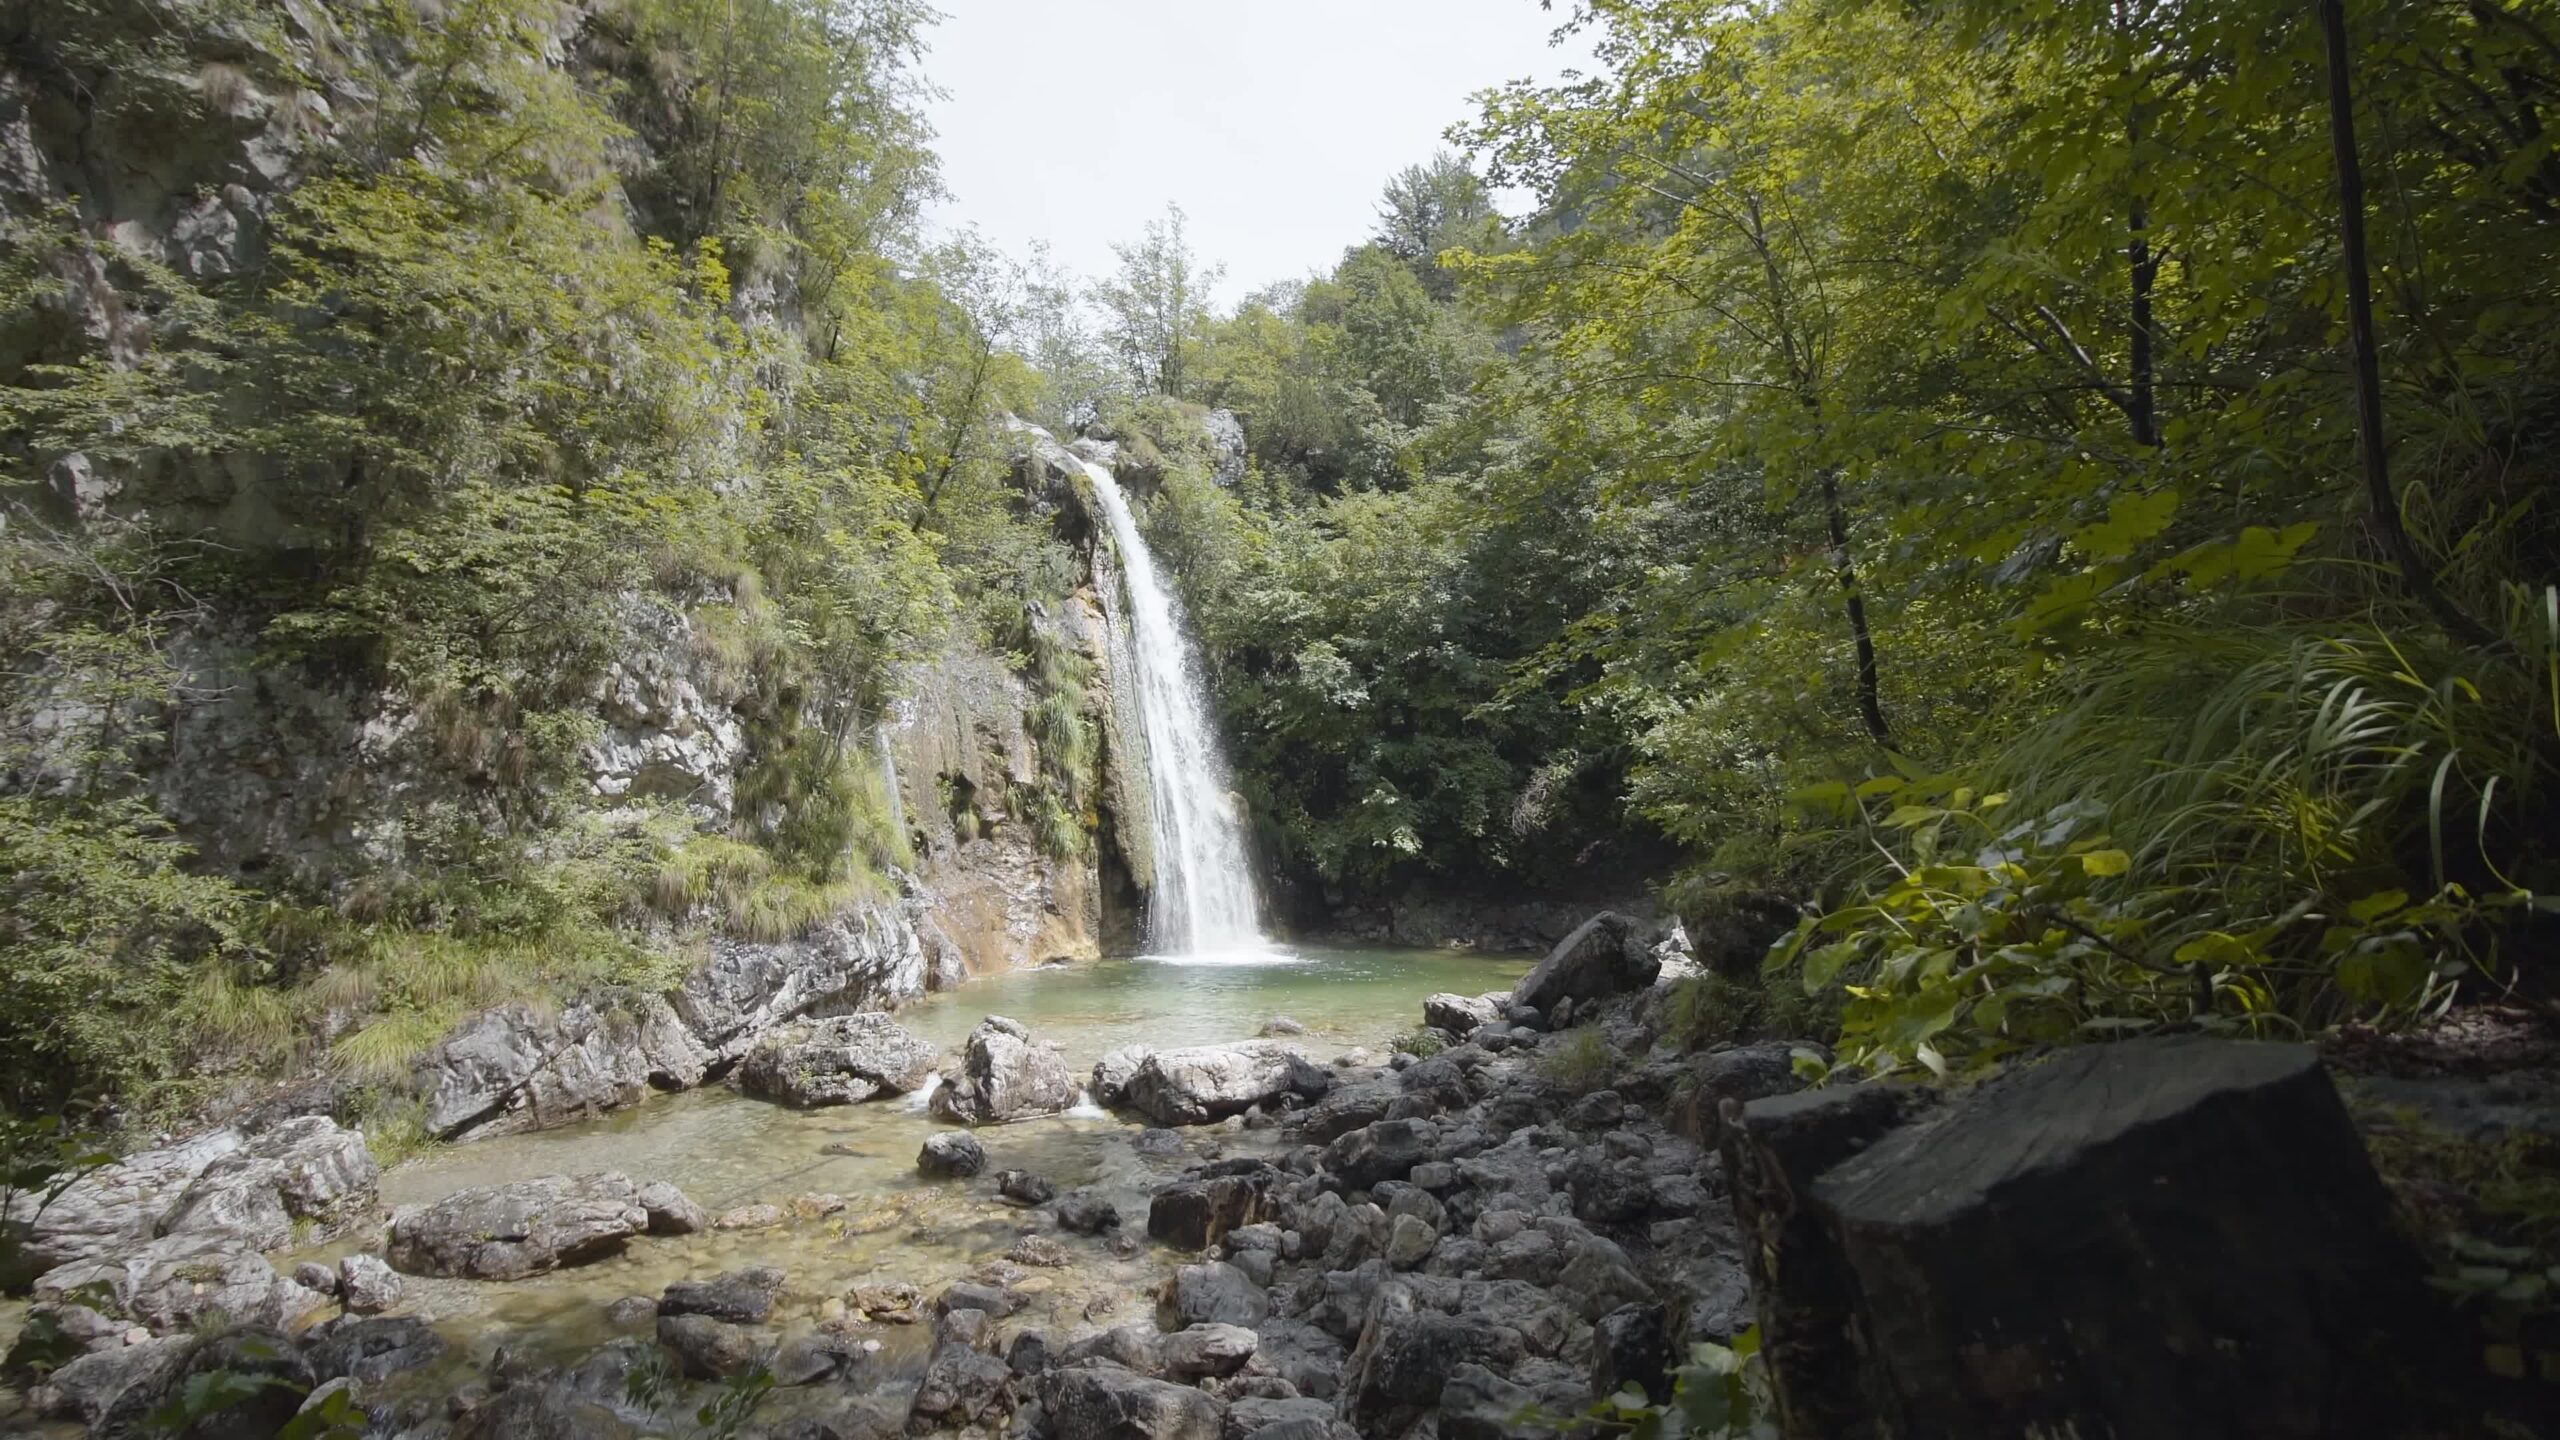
{"x": 1531, "y": 1206}
{"x": 493, "y": 1270}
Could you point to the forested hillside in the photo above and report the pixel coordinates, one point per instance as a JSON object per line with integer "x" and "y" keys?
{"x": 1910, "y": 458}
{"x": 527, "y": 336}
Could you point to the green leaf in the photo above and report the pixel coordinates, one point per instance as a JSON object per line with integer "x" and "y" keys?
{"x": 2373, "y": 907}
{"x": 2100, "y": 864}
{"x": 2131, "y": 519}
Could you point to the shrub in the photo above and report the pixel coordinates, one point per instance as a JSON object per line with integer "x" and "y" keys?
{"x": 1580, "y": 1060}
{"x": 1422, "y": 1042}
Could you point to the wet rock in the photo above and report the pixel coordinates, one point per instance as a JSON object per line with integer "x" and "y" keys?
{"x": 821, "y": 1359}
{"x": 1157, "y": 1143}
{"x": 172, "y": 1282}
{"x": 506, "y": 1232}
{"x": 367, "y": 1285}
{"x": 670, "y": 1212}
{"x": 1207, "y": 1349}
{"x": 1383, "y": 1150}
{"x": 893, "y": 1303}
{"x": 1477, "y": 1404}
{"x": 963, "y": 1326}
{"x": 313, "y": 1276}
{"x": 953, "y": 1154}
{"x": 740, "y": 1297}
{"x": 996, "y": 1300}
{"x": 1346, "y": 1109}
{"x": 961, "y": 1383}
{"x": 1005, "y": 1075}
{"x": 1283, "y": 1025}
{"x": 1028, "y": 1354}
{"x": 709, "y": 1349}
{"x": 1631, "y": 1346}
{"x": 540, "y": 1412}
{"x": 1406, "y": 1355}
{"x": 1409, "y": 1241}
{"x": 371, "y": 1349}
{"x": 1606, "y": 956}
{"x": 1112, "y": 1072}
{"x": 1104, "y": 1402}
{"x": 1217, "y": 1293}
{"x": 631, "y": 1310}
{"x": 840, "y": 1060}
{"x": 1199, "y": 1084}
{"x": 1086, "y": 1212}
{"x": 1039, "y": 1252}
{"x": 269, "y": 1369}
{"x": 763, "y": 1215}
{"x": 1197, "y": 1211}
{"x": 89, "y": 1388}
{"x": 1024, "y": 1188}
{"x": 1460, "y": 1015}
{"x": 1134, "y": 1347}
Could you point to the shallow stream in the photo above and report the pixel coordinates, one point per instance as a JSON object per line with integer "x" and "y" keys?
{"x": 861, "y": 1214}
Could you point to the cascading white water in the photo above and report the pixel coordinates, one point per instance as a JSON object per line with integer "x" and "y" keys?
{"x": 1204, "y": 902}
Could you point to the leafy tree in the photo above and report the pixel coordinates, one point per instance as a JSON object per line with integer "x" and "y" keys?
{"x": 1157, "y": 307}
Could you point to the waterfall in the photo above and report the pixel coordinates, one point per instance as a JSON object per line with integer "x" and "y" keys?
{"x": 1203, "y": 902}
{"x": 889, "y": 781}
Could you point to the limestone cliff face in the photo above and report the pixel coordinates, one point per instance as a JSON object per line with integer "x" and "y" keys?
{"x": 316, "y": 779}
{"x": 966, "y": 763}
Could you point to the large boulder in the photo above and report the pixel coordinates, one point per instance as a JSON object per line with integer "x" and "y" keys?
{"x": 178, "y": 1280}
{"x": 1406, "y": 1354}
{"x": 740, "y": 1297}
{"x": 710, "y": 1349}
{"x": 522, "y": 1067}
{"x": 370, "y": 1349}
{"x": 506, "y": 1232}
{"x": 525, "y": 1067}
{"x": 961, "y": 1383}
{"x": 2166, "y": 1237}
{"x": 1217, "y": 1293}
{"x": 837, "y": 1061}
{"x": 245, "y": 1188}
{"x": 1384, "y": 1150}
{"x": 1460, "y": 1015}
{"x": 1201, "y": 1083}
{"x": 1208, "y": 1349}
{"x": 1097, "y": 1400}
{"x": 367, "y": 1285}
{"x": 1113, "y": 1072}
{"x": 1606, "y": 956}
{"x": 951, "y": 1155}
{"x": 1005, "y": 1075}
{"x": 1198, "y": 1210}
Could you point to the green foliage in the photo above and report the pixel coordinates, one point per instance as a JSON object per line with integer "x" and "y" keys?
{"x": 1421, "y": 1043}
{"x": 455, "y": 435}
{"x": 1699, "y": 1011}
{"x": 1720, "y": 1393}
{"x": 1580, "y": 1059}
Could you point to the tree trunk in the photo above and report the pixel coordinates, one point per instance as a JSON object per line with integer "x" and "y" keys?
{"x": 1870, "y": 692}
{"x": 2382, "y": 506}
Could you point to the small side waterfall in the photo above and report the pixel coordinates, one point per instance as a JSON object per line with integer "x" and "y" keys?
{"x": 1204, "y": 902}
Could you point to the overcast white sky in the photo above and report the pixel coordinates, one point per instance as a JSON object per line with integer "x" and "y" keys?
{"x": 1272, "y": 123}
